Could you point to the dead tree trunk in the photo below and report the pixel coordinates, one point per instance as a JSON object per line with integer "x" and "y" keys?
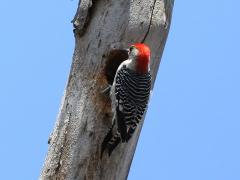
{"x": 85, "y": 116}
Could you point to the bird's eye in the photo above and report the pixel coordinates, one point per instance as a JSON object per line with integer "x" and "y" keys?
{"x": 131, "y": 48}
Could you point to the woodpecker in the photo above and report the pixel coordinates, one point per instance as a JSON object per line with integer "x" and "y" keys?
{"x": 129, "y": 94}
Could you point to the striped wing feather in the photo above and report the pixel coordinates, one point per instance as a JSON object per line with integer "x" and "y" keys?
{"x": 132, "y": 94}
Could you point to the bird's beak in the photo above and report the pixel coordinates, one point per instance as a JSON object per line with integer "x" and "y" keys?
{"x": 126, "y": 51}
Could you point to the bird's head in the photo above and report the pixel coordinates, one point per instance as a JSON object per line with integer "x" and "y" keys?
{"x": 139, "y": 54}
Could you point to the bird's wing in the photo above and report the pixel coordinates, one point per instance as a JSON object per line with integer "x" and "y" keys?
{"x": 132, "y": 93}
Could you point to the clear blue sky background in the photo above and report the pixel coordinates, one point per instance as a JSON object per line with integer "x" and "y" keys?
{"x": 192, "y": 129}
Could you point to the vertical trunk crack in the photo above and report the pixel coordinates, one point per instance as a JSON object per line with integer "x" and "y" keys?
{"x": 150, "y": 22}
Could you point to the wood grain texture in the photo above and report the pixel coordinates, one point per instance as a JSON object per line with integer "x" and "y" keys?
{"x": 85, "y": 114}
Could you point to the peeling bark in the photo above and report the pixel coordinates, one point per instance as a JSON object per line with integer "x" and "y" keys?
{"x": 85, "y": 115}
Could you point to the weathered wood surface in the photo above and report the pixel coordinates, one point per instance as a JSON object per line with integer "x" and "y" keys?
{"x": 85, "y": 116}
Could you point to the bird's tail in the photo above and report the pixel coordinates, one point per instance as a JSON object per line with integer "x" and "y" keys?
{"x": 110, "y": 142}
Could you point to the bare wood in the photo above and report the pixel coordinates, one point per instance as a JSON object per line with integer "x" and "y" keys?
{"x": 84, "y": 117}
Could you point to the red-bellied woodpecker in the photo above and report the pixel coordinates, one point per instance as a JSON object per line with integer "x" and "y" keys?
{"x": 129, "y": 94}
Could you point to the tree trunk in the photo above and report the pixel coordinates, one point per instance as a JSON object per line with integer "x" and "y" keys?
{"x": 85, "y": 114}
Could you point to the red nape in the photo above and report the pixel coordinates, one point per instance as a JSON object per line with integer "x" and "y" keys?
{"x": 143, "y": 58}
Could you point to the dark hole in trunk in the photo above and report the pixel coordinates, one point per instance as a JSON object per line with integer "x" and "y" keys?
{"x": 114, "y": 59}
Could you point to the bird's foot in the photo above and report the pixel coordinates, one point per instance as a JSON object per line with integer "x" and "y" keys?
{"x": 106, "y": 90}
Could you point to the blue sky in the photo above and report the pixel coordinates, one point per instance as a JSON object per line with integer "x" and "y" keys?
{"x": 192, "y": 128}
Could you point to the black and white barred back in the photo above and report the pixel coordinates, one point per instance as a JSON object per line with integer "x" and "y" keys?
{"x": 132, "y": 91}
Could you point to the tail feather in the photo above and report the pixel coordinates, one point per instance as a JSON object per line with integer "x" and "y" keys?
{"x": 110, "y": 142}
{"x": 113, "y": 144}
{"x": 105, "y": 141}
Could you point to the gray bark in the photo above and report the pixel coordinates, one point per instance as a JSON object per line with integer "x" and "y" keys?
{"x": 85, "y": 114}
